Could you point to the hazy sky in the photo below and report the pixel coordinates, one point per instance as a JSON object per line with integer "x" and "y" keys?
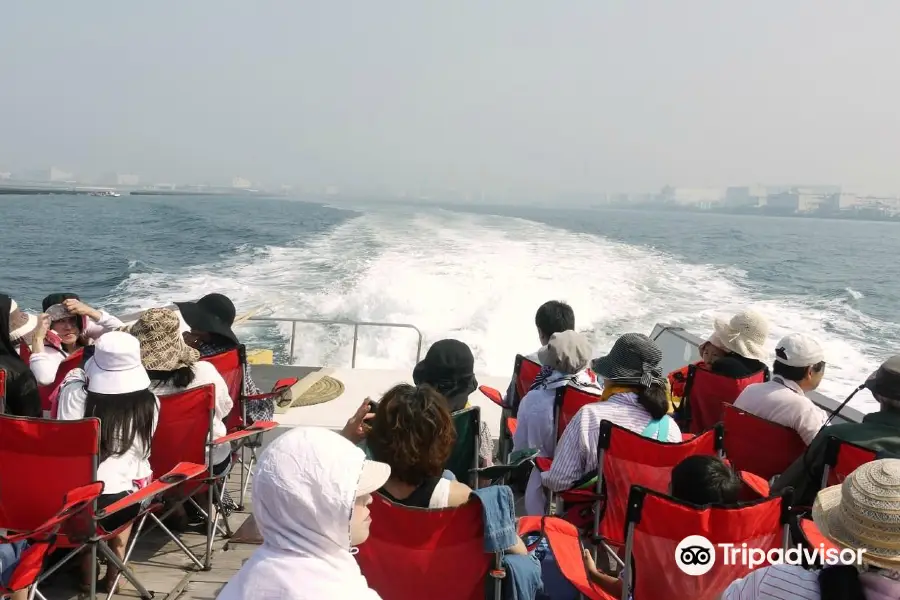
{"x": 517, "y": 95}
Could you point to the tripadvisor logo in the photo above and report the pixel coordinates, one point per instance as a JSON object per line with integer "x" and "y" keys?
{"x": 695, "y": 555}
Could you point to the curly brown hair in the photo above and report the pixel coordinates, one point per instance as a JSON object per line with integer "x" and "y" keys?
{"x": 412, "y": 432}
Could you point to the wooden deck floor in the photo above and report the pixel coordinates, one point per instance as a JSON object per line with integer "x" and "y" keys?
{"x": 164, "y": 569}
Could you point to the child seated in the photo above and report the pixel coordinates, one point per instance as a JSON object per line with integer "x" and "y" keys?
{"x": 698, "y": 480}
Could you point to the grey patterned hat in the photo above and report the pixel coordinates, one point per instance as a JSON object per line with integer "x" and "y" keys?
{"x": 633, "y": 360}
{"x": 162, "y": 346}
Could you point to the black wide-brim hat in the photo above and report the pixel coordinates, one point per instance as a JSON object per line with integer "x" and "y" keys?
{"x": 213, "y": 313}
{"x": 449, "y": 368}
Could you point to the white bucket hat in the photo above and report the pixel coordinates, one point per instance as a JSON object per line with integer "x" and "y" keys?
{"x": 116, "y": 365}
{"x": 745, "y": 334}
{"x": 863, "y": 513}
{"x": 20, "y": 322}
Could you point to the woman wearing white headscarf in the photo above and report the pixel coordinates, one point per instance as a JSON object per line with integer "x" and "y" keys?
{"x": 310, "y": 502}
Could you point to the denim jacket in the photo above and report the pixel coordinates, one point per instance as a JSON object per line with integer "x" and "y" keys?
{"x": 500, "y": 532}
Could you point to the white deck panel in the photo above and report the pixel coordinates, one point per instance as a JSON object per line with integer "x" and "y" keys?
{"x": 373, "y": 383}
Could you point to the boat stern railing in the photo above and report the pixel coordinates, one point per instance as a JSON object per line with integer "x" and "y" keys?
{"x": 345, "y": 322}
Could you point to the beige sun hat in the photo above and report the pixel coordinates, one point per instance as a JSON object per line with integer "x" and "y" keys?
{"x": 744, "y": 334}
{"x": 162, "y": 346}
{"x": 863, "y": 513}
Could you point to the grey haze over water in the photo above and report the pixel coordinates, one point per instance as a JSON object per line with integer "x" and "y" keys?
{"x": 476, "y": 274}
{"x": 513, "y": 97}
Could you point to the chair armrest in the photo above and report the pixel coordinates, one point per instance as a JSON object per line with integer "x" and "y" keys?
{"x": 492, "y": 394}
{"x": 181, "y": 473}
{"x": 257, "y": 428}
{"x": 543, "y": 463}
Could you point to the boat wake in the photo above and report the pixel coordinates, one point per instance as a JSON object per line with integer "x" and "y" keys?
{"x": 480, "y": 279}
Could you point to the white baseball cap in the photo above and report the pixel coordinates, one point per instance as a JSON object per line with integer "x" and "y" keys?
{"x": 374, "y": 475}
{"x": 116, "y": 365}
{"x": 799, "y": 350}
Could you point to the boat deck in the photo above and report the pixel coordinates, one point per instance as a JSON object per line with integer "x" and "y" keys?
{"x": 161, "y": 566}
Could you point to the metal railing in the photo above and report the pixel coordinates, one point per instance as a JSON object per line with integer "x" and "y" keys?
{"x": 355, "y": 324}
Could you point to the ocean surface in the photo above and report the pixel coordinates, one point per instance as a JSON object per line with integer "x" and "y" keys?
{"x": 477, "y": 274}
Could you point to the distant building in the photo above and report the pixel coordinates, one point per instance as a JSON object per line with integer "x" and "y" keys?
{"x": 745, "y": 196}
{"x": 797, "y": 200}
{"x": 240, "y": 183}
{"x": 127, "y": 179}
{"x": 699, "y": 197}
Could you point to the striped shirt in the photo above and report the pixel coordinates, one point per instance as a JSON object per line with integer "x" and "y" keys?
{"x": 576, "y": 453}
{"x": 778, "y": 582}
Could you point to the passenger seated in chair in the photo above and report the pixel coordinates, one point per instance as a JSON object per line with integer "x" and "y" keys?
{"x": 22, "y": 398}
{"x": 859, "y": 516}
{"x": 565, "y": 357}
{"x": 114, "y": 387}
{"x": 551, "y": 317}
{"x": 699, "y": 480}
{"x": 798, "y": 369}
{"x": 66, "y": 325}
{"x": 310, "y": 502}
{"x": 210, "y": 319}
{"x": 635, "y": 397}
{"x": 744, "y": 339}
{"x": 710, "y": 351}
{"x": 174, "y": 367}
{"x": 449, "y": 367}
{"x": 879, "y": 431}
{"x": 413, "y": 433}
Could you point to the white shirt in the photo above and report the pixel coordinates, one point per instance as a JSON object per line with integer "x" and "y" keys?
{"x": 45, "y": 364}
{"x": 204, "y": 374}
{"x": 782, "y": 401}
{"x": 536, "y": 428}
{"x": 576, "y": 454}
{"x": 778, "y": 582}
{"x": 118, "y": 473}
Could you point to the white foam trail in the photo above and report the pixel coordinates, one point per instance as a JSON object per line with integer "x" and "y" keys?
{"x": 480, "y": 279}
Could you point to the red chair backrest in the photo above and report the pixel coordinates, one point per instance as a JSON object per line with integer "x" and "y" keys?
{"x": 705, "y": 392}
{"x": 629, "y": 459}
{"x": 415, "y": 553}
{"x": 25, "y": 352}
{"x": 73, "y": 361}
{"x": 230, "y": 366}
{"x": 525, "y": 372}
{"x": 661, "y": 522}
{"x": 40, "y": 461}
{"x": 183, "y": 428}
{"x": 757, "y": 445}
{"x": 842, "y": 458}
{"x": 569, "y": 401}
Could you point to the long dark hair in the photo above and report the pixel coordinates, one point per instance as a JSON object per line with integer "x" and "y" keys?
{"x": 840, "y": 582}
{"x": 181, "y": 377}
{"x": 123, "y": 418}
{"x": 654, "y": 400}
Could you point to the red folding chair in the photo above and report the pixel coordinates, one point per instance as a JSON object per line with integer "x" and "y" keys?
{"x": 230, "y": 365}
{"x": 745, "y": 431}
{"x": 525, "y": 371}
{"x": 417, "y": 553}
{"x": 185, "y": 435}
{"x": 73, "y": 361}
{"x": 627, "y": 458}
{"x": 656, "y": 524}
{"x": 704, "y": 393}
{"x": 42, "y": 540}
{"x": 41, "y": 460}
{"x": 842, "y": 458}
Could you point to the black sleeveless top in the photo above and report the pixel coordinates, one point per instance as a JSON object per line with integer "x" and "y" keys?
{"x": 419, "y": 498}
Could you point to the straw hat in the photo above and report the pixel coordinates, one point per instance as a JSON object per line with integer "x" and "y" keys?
{"x": 864, "y": 512}
{"x": 162, "y": 346}
{"x": 745, "y": 334}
